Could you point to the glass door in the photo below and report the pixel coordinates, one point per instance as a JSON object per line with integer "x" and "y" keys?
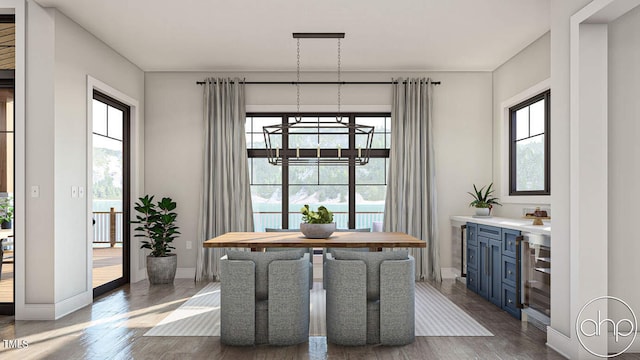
{"x": 110, "y": 197}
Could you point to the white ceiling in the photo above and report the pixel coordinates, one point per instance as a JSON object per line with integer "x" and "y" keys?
{"x": 255, "y": 35}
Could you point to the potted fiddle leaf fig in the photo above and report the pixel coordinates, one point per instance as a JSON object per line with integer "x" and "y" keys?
{"x": 483, "y": 200}
{"x": 158, "y": 228}
{"x": 317, "y": 224}
{"x": 6, "y": 212}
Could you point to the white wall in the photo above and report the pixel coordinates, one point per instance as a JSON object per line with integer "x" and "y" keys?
{"x": 39, "y": 244}
{"x": 526, "y": 69}
{"x": 174, "y": 140}
{"x": 61, "y": 55}
{"x": 561, "y": 12}
{"x": 624, "y": 157}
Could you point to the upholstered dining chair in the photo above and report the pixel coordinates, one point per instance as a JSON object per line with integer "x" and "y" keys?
{"x": 324, "y": 252}
{"x": 308, "y": 250}
{"x": 264, "y": 297}
{"x": 370, "y": 297}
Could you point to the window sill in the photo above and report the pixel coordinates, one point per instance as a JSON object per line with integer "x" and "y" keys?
{"x": 531, "y": 199}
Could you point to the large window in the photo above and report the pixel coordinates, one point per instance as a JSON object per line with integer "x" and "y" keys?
{"x": 529, "y": 146}
{"x": 356, "y": 195}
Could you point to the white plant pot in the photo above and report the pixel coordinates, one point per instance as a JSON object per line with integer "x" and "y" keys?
{"x": 317, "y": 231}
{"x": 482, "y": 211}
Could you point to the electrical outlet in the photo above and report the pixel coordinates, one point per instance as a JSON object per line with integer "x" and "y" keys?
{"x": 188, "y": 243}
{"x": 74, "y": 191}
{"x": 35, "y": 191}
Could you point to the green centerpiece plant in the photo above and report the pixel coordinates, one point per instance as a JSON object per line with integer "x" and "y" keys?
{"x": 317, "y": 224}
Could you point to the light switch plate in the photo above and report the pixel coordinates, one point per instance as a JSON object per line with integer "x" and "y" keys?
{"x": 74, "y": 191}
{"x": 81, "y": 191}
{"x": 188, "y": 243}
{"x": 35, "y": 191}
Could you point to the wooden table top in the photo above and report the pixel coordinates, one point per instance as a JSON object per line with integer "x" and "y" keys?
{"x": 260, "y": 240}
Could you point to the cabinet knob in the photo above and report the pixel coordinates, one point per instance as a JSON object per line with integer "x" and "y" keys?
{"x": 509, "y": 272}
{"x": 510, "y": 301}
{"x": 510, "y": 242}
{"x": 470, "y": 280}
{"x": 471, "y": 257}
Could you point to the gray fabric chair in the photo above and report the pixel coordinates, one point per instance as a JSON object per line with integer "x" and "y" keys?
{"x": 264, "y": 298}
{"x": 308, "y": 250}
{"x": 370, "y": 297}
{"x": 324, "y": 252}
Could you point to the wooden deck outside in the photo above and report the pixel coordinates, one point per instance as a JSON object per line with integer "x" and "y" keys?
{"x": 107, "y": 266}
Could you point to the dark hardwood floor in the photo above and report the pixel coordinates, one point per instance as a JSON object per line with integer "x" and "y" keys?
{"x": 113, "y": 326}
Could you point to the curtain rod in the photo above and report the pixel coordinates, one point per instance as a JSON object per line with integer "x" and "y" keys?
{"x": 320, "y": 82}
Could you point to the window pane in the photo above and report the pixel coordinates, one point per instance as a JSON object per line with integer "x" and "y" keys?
{"x": 373, "y": 173}
{"x": 264, "y": 173}
{"x": 537, "y": 118}
{"x": 522, "y": 123}
{"x": 267, "y": 206}
{"x": 114, "y": 123}
{"x": 259, "y": 122}
{"x": 334, "y": 175}
{"x": 333, "y": 141}
{"x": 334, "y": 198}
{"x": 99, "y": 117}
{"x": 300, "y": 175}
{"x": 258, "y": 141}
{"x": 369, "y": 204}
{"x": 530, "y": 164}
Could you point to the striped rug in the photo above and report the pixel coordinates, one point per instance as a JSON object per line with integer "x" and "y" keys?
{"x": 435, "y": 315}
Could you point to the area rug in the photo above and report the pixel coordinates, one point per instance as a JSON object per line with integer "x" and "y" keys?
{"x": 435, "y": 315}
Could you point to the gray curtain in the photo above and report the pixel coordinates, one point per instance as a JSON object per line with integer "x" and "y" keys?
{"x": 410, "y": 206}
{"x": 225, "y": 203}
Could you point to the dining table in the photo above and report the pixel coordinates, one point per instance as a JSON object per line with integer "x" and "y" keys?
{"x": 258, "y": 241}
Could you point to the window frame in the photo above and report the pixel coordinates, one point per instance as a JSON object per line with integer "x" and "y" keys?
{"x": 351, "y": 116}
{"x": 546, "y": 96}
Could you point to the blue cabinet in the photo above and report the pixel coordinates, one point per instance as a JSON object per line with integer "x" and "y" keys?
{"x": 492, "y": 265}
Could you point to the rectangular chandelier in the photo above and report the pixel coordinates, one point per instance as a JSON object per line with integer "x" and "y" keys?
{"x": 363, "y": 134}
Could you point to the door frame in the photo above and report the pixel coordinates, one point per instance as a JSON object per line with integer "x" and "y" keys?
{"x": 135, "y": 263}
{"x": 126, "y": 198}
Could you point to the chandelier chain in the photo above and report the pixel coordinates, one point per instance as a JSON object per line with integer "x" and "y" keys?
{"x": 298, "y": 117}
{"x": 339, "y": 117}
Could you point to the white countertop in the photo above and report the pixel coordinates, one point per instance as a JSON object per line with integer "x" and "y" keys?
{"x": 523, "y": 225}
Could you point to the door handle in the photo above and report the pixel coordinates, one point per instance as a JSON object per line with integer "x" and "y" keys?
{"x": 518, "y": 266}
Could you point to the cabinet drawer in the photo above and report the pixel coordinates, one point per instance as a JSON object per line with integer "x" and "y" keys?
{"x": 509, "y": 271}
{"x": 472, "y": 280}
{"x": 491, "y": 232}
{"x": 510, "y": 301}
{"x": 509, "y": 242}
{"x": 472, "y": 257}
{"x": 472, "y": 234}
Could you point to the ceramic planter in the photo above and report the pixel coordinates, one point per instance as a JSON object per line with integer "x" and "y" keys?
{"x": 162, "y": 269}
{"x": 317, "y": 231}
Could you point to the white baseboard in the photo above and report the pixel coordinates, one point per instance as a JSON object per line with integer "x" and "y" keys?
{"x": 559, "y": 342}
{"x": 185, "y": 273}
{"x": 54, "y": 311}
{"x": 73, "y": 303}
{"x": 36, "y": 312}
{"x": 614, "y": 347}
{"x": 449, "y": 273}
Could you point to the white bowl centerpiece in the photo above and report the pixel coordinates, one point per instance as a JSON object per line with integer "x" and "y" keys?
{"x": 317, "y": 224}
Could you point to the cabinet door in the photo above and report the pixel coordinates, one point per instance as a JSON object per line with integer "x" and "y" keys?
{"x": 509, "y": 243}
{"x": 472, "y": 232}
{"x": 495, "y": 273}
{"x": 472, "y": 258}
{"x": 472, "y": 280}
{"x": 484, "y": 267}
